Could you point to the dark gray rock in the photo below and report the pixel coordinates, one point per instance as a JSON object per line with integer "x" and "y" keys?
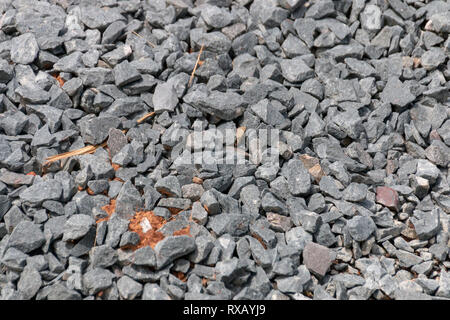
{"x": 26, "y": 237}
{"x": 29, "y": 283}
{"x": 102, "y": 256}
{"x": 173, "y": 247}
{"x": 96, "y": 280}
{"x": 361, "y": 227}
{"x": 426, "y": 224}
{"x": 397, "y": 93}
{"x": 169, "y": 186}
{"x": 39, "y": 192}
{"x": 94, "y": 130}
{"x": 225, "y": 105}
{"x": 296, "y": 70}
{"x": 164, "y": 98}
{"x": 128, "y": 288}
{"x": 125, "y": 73}
{"x": 24, "y": 48}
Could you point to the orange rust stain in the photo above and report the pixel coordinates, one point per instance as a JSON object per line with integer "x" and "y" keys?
{"x": 152, "y": 236}
{"x": 89, "y": 191}
{"x": 59, "y": 79}
{"x": 200, "y": 62}
{"x": 204, "y": 282}
{"x": 206, "y": 208}
{"x": 115, "y": 166}
{"x": 118, "y": 179}
{"x": 180, "y": 275}
{"x": 109, "y": 209}
{"x": 32, "y": 173}
{"x": 197, "y": 180}
{"x": 260, "y": 240}
{"x": 80, "y": 188}
{"x": 183, "y": 232}
{"x": 175, "y": 210}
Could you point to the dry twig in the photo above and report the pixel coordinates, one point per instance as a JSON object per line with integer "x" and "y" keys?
{"x": 87, "y": 149}
{"x": 195, "y": 67}
{"x": 148, "y": 42}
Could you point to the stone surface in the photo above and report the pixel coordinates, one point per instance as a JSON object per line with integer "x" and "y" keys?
{"x": 24, "y": 48}
{"x": 172, "y": 248}
{"x": 388, "y": 197}
{"x": 235, "y": 150}
{"x": 361, "y": 227}
{"x": 317, "y": 258}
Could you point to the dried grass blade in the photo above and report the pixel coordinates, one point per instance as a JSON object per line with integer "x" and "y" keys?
{"x": 148, "y": 42}
{"x": 195, "y": 67}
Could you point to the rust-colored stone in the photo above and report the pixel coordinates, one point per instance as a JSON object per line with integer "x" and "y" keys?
{"x": 387, "y": 197}
{"x": 150, "y": 237}
{"x": 109, "y": 209}
{"x": 316, "y": 172}
{"x": 183, "y": 232}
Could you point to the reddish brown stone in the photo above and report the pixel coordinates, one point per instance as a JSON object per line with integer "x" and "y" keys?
{"x": 434, "y": 135}
{"x": 308, "y": 161}
{"x": 318, "y": 258}
{"x": 387, "y": 197}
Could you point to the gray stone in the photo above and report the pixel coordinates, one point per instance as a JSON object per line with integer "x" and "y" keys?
{"x": 96, "y": 280}
{"x": 309, "y": 220}
{"x": 29, "y": 283}
{"x": 164, "y": 98}
{"x": 24, "y": 48}
{"x": 128, "y": 288}
{"x": 371, "y": 18}
{"x": 299, "y": 180}
{"x": 444, "y": 285}
{"x": 145, "y": 256}
{"x": 128, "y": 201}
{"x": 173, "y": 247}
{"x": 39, "y": 192}
{"x": 397, "y": 93}
{"x": 426, "y": 224}
{"x": 14, "y": 259}
{"x": 125, "y": 73}
{"x": 77, "y": 226}
{"x": 169, "y": 186}
{"x": 95, "y": 130}
{"x": 330, "y": 187}
{"x": 102, "y": 256}
{"x": 116, "y": 227}
{"x": 407, "y": 259}
{"x": 116, "y": 141}
{"x": 26, "y": 237}
{"x": 298, "y": 238}
{"x": 235, "y": 224}
{"x": 355, "y": 192}
{"x": 361, "y": 227}
{"x": 295, "y": 70}
{"x": 153, "y": 291}
{"x": 225, "y": 105}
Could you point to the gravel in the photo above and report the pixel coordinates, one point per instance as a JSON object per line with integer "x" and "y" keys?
{"x": 306, "y": 156}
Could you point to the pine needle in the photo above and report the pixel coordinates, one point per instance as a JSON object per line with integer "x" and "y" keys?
{"x": 195, "y": 67}
{"x": 148, "y": 115}
{"x": 84, "y": 150}
{"x": 148, "y": 42}
{"x": 88, "y": 149}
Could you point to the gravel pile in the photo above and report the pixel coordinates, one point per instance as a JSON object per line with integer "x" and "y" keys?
{"x": 265, "y": 149}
